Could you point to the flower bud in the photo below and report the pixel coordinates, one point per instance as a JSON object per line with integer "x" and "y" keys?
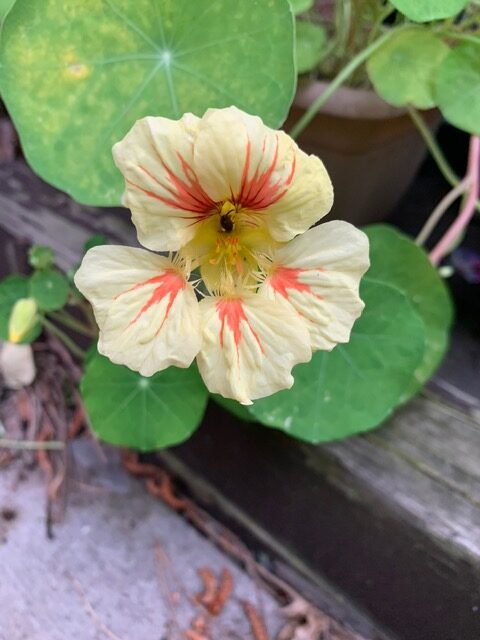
{"x": 22, "y": 319}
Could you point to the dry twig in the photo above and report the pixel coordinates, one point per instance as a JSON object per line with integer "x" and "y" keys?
{"x": 304, "y": 620}
{"x": 210, "y": 586}
{"x": 191, "y": 634}
{"x": 163, "y": 566}
{"x": 257, "y": 624}
{"x": 223, "y": 593}
{"x": 101, "y": 626}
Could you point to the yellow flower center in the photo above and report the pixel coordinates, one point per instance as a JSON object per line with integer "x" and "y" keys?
{"x": 227, "y": 245}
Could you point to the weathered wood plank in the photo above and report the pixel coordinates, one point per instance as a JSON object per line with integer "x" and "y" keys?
{"x": 33, "y": 211}
{"x": 394, "y": 531}
{"x": 458, "y": 378}
{"x": 392, "y": 517}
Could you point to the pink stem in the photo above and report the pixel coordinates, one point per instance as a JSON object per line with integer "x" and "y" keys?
{"x": 473, "y": 175}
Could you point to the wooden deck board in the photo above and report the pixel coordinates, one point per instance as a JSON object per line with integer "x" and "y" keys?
{"x": 386, "y": 528}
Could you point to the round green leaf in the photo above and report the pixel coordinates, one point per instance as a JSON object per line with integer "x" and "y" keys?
{"x": 310, "y": 45}
{"x": 40, "y": 257}
{"x": 50, "y": 289}
{"x": 12, "y": 289}
{"x": 457, "y": 88}
{"x": 131, "y": 410}
{"x": 397, "y": 260}
{"x": 427, "y": 10}
{"x": 77, "y": 74}
{"x": 357, "y": 385}
{"x": 402, "y": 70}
{"x": 300, "y": 6}
{"x": 232, "y": 406}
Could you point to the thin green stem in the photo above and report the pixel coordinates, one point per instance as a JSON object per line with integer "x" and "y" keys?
{"x": 49, "y": 445}
{"x": 87, "y": 312}
{"x": 442, "y": 163}
{"x": 440, "y": 209}
{"x": 437, "y": 154}
{"x": 377, "y": 25}
{"x": 68, "y": 321}
{"x": 337, "y": 82}
{"x": 343, "y": 20}
{"x": 90, "y": 316}
{"x": 459, "y": 35}
{"x": 67, "y": 341}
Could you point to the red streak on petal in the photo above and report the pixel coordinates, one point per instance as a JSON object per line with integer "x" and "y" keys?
{"x": 185, "y": 195}
{"x": 231, "y": 313}
{"x": 168, "y": 284}
{"x": 242, "y": 196}
{"x": 284, "y": 279}
{"x": 258, "y": 192}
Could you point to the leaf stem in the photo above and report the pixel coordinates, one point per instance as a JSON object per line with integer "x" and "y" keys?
{"x": 440, "y": 209}
{"x": 71, "y": 322}
{"x": 437, "y": 154}
{"x": 87, "y": 311}
{"x": 61, "y": 335}
{"x": 343, "y": 19}
{"x": 377, "y": 25}
{"x": 341, "y": 77}
{"x": 460, "y": 223}
{"x": 459, "y": 35}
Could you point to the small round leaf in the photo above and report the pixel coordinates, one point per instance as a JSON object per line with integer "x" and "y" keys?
{"x": 427, "y": 10}
{"x": 130, "y": 410}
{"x": 77, "y": 74}
{"x": 50, "y": 289}
{"x": 398, "y": 261}
{"x": 40, "y": 257}
{"x": 457, "y": 88}
{"x": 12, "y": 289}
{"x": 310, "y": 45}
{"x": 357, "y": 385}
{"x": 402, "y": 70}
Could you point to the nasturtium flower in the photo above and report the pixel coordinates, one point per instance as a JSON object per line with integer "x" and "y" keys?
{"x": 230, "y": 204}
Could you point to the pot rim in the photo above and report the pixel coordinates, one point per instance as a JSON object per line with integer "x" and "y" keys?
{"x": 346, "y": 102}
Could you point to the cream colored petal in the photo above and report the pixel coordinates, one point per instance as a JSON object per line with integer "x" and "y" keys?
{"x": 237, "y": 157}
{"x": 250, "y": 346}
{"x": 147, "y": 312}
{"x": 319, "y": 274}
{"x": 230, "y": 141}
{"x": 308, "y": 198}
{"x": 162, "y": 189}
{"x": 17, "y": 366}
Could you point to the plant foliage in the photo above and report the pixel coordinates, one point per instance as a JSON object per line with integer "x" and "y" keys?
{"x": 77, "y": 75}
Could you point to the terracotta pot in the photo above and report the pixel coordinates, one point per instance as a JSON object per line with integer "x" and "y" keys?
{"x": 371, "y": 149}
